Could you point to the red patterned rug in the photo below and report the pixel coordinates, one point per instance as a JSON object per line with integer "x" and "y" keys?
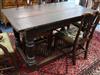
{"x": 58, "y": 67}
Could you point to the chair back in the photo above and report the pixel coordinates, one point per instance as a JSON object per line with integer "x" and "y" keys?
{"x": 96, "y": 20}
{"x": 87, "y": 27}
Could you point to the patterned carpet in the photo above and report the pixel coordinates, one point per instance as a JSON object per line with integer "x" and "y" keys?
{"x": 90, "y": 66}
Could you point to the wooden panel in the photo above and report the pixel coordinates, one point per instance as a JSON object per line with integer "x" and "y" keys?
{"x": 13, "y": 3}
{"x": 8, "y": 3}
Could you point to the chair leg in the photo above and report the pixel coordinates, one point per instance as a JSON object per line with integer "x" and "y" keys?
{"x": 74, "y": 60}
{"x": 66, "y": 64}
{"x": 86, "y": 51}
{"x": 73, "y": 57}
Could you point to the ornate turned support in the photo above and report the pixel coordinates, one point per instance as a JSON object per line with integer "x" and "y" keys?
{"x": 30, "y": 47}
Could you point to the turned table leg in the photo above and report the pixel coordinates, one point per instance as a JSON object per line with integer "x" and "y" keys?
{"x": 30, "y": 47}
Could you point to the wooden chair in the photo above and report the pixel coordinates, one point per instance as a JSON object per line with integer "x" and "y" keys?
{"x": 78, "y": 23}
{"x": 7, "y": 54}
{"x": 73, "y": 43}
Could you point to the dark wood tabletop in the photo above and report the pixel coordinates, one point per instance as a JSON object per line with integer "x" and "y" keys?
{"x": 24, "y": 18}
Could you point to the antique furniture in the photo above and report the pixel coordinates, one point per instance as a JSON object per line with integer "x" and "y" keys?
{"x": 41, "y": 18}
{"x": 7, "y": 54}
{"x": 73, "y": 40}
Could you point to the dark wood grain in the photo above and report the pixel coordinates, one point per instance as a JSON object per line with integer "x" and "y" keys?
{"x": 24, "y": 18}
